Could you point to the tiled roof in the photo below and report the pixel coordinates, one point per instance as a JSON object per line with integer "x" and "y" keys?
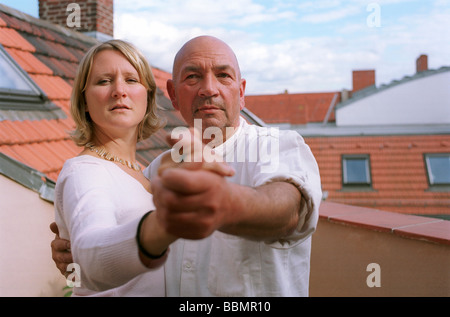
{"x": 292, "y": 108}
{"x": 399, "y": 176}
{"x": 50, "y": 54}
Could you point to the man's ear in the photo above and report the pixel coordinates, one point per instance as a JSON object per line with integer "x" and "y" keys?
{"x": 242, "y": 93}
{"x": 171, "y": 91}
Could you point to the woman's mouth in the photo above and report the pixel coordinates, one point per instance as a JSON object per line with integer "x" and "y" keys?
{"x": 120, "y": 107}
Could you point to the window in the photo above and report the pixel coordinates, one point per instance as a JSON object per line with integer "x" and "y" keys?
{"x": 18, "y": 93}
{"x": 438, "y": 169}
{"x": 11, "y": 78}
{"x": 356, "y": 170}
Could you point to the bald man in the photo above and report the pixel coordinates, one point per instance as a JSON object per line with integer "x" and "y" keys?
{"x": 245, "y": 235}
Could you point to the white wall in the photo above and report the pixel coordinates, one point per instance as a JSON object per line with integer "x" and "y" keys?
{"x": 420, "y": 101}
{"x": 26, "y": 265}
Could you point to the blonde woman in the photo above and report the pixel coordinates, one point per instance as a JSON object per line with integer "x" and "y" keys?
{"x": 102, "y": 191}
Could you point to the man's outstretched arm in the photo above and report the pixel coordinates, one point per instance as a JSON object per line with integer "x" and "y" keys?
{"x": 193, "y": 204}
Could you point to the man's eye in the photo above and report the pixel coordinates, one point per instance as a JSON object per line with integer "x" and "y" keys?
{"x": 224, "y": 75}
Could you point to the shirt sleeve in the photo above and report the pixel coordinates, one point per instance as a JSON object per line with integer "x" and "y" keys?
{"x": 106, "y": 251}
{"x": 152, "y": 169}
{"x": 290, "y": 160}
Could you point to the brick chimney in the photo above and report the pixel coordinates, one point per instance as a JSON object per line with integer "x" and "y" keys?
{"x": 422, "y": 63}
{"x": 363, "y": 79}
{"x": 92, "y": 17}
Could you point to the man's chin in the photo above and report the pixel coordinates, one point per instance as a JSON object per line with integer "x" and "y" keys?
{"x": 209, "y": 121}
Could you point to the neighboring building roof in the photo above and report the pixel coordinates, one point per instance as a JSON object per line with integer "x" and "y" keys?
{"x": 294, "y": 109}
{"x": 49, "y": 54}
{"x": 423, "y": 98}
{"x": 397, "y": 168}
{"x": 360, "y": 94}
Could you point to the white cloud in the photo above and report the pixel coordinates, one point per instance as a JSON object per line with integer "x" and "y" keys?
{"x": 203, "y": 13}
{"x": 332, "y": 15}
{"x": 300, "y": 64}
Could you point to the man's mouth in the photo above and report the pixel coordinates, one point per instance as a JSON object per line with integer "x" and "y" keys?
{"x": 208, "y": 109}
{"x": 203, "y": 108}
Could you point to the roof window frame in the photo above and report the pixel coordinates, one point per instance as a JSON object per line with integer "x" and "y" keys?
{"x": 432, "y": 184}
{"x": 353, "y": 185}
{"x": 32, "y": 100}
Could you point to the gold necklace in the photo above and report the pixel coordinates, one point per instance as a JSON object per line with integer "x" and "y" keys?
{"x": 101, "y": 151}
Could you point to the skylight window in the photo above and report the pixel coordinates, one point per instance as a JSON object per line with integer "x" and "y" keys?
{"x": 438, "y": 168}
{"x": 356, "y": 170}
{"x": 20, "y": 97}
{"x": 11, "y": 77}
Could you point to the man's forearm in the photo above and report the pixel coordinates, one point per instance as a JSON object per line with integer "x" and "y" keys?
{"x": 269, "y": 211}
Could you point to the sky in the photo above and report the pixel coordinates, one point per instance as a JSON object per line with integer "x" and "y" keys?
{"x": 294, "y": 45}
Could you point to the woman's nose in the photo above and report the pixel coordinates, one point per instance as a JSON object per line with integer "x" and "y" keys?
{"x": 119, "y": 90}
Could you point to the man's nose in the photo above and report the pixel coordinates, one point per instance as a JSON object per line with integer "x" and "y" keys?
{"x": 208, "y": 86}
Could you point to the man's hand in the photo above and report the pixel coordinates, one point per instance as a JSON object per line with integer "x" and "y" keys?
{"x": 191, "y": 196}
{"x": 191, "y": 204}
{"x": 61, "y": 254}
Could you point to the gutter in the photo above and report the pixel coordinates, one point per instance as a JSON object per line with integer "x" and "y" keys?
{"x": 28, "y": 177}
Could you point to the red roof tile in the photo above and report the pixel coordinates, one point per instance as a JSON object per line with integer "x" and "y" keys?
{"x": 29, "y": 62}
{"x": 11, "y": 38}
{"x": 64, "y": 104}
{"x": 399, "y": 177}
{"x": 16, "y": 24}
{"x": 161, "y": 78}
{"x": 61, "y": 52}
{"x": 54, "y": 87}
{"x": 32, "y": 155}
{"x": 292, "y": 108}
{"x": 61, "y": 68}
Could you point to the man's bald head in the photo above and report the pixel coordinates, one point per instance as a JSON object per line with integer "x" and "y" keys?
{"x": 206, "y": 84}
{"x": 203, "y": 44}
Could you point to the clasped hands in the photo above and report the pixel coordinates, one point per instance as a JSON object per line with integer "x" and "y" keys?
{"x": 192, "y": 199}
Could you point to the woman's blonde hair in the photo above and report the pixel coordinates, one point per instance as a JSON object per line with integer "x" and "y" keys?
{"x": 151, "y": 122}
